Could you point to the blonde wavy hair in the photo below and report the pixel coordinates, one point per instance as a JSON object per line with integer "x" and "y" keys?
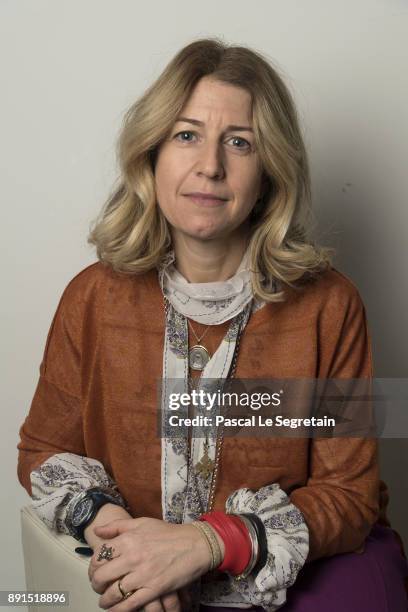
{"x": 131, "y": 233}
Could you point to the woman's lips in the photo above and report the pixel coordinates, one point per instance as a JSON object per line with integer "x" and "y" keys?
{"x": 206, "y": 200}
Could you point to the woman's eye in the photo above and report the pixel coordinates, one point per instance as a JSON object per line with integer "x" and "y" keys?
{"x": 185, "y": 136}
{"x": 240, "y": 143}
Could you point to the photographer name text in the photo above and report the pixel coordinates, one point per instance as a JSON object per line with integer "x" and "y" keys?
{"x": 255, "y": 420}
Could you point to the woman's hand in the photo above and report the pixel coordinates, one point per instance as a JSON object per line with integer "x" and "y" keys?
{"x": 152, "y": 556}
{"x": 109, "y": 512}
{"x": 106, "y": 513}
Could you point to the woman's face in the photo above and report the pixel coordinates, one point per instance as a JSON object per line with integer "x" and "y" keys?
{"x": 209, "y": 151}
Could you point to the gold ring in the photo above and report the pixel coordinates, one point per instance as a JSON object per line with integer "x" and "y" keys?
{"x": 123, "y": 593}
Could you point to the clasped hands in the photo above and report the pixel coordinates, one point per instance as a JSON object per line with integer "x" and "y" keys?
{"x": 151, "y": 556}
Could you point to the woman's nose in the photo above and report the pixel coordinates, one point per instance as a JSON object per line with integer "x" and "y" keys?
{"x": 210, "y": 162}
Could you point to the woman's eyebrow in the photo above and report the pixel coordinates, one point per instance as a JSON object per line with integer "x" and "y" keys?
{"x": 229, "y": 128}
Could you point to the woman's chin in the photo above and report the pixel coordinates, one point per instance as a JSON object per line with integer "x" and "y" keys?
{"x": 204, "y": 233}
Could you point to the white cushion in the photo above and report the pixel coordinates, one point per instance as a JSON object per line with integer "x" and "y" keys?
{"x": 51, "y": 564}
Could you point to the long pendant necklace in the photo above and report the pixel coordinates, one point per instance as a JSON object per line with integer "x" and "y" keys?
{"x": 207, "y": 467}
{"x": 198, "y": 359}
{"x": 198, "y": 355}
{"x": 220, "y": 436}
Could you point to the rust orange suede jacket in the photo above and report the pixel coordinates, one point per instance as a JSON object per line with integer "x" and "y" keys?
{"x": 97, "y": 397}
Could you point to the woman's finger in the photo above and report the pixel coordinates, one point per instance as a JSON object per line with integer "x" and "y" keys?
{"x": 137, "y": 599}
{"x": 103, "y": 554}
{"x": 153, "y": 606}
{"x": 171, "y": 602}
{"x": 113, "y": 597}
{"x": 107, "y": 573}
{"x": 115, "y": 527}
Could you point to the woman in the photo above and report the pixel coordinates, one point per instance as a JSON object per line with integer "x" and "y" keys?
{"x": 205, "y": 270}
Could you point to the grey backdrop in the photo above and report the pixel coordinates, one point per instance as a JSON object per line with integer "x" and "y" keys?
{"x": 70, "y": 68}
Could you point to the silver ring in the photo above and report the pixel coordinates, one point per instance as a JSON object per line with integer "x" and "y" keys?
{"x": 106, "y": 552}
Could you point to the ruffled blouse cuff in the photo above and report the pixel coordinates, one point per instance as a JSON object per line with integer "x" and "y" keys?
{"x": 287, "y": 543}
{"x": 57, "y": 483}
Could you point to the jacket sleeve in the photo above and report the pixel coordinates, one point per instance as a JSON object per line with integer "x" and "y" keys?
{"x": 54, "y": 422}
{"x": 341, "y": 499}
{"x": 52, "y": 462}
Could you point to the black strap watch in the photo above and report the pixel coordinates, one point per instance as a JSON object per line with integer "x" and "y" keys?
{"x": 83, "y": 510}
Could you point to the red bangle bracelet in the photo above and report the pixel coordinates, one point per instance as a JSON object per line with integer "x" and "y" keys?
{"x": 237, "y": 541}
{"x": 244, "y": 545}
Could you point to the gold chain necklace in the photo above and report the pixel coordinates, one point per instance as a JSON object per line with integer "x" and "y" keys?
{"x": 205, "y": 466}
{"x": 220, "y": 435}
{"x": 198, "y": 355}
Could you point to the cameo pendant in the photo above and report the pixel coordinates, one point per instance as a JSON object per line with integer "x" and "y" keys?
{"x": 198, "y": 357}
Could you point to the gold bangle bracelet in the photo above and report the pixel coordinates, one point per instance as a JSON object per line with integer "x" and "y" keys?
{"x": 212, "y": 542}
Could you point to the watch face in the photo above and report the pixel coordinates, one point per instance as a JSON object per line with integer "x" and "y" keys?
{"x": 81, "y": 511}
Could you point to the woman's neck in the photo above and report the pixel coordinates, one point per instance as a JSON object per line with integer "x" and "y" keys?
{"x": 208, "y": 261}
